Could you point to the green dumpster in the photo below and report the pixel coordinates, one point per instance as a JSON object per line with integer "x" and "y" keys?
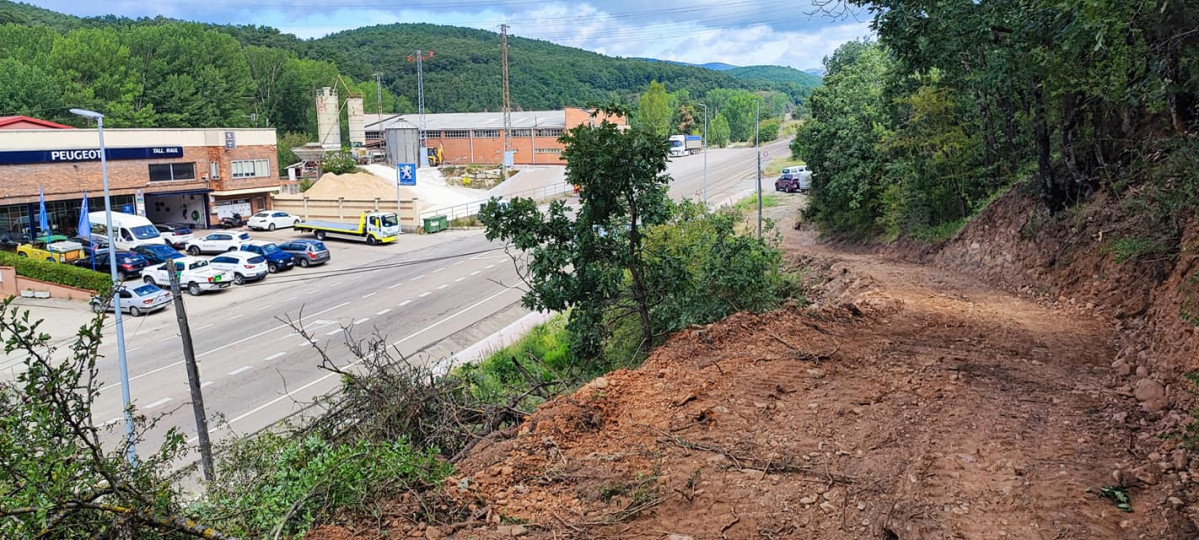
{"x": 436, "y": 223}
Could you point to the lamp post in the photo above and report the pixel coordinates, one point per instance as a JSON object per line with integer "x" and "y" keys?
{"x": 116, "y": 298}
{"x": 705, "y": 149}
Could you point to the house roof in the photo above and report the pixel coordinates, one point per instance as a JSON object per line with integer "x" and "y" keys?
{"x": 482, "y": 120}
{"x": 12, "y": 122}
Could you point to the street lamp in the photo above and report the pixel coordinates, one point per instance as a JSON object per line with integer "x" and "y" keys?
{"x": 116, "y": 297}
{"x": 705, "y": 106}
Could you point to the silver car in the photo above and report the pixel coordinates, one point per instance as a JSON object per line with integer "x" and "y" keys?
{"x": 136, "y": 301}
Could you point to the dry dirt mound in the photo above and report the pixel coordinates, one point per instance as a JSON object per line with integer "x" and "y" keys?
{"x": 354, "y": 186}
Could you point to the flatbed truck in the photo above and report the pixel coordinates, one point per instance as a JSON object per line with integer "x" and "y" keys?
{"x": 371, "y": 227}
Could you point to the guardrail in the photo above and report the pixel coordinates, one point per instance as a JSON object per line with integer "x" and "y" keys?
{"x": 472, "y": 208}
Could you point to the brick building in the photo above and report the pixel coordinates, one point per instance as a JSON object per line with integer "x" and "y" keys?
{"x": 188, "y": 176}
{"x": 478, "y": 137}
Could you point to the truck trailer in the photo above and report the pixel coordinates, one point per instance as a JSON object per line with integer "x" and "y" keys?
{"x": 371, "y": 227}
{"x": 685, "y": 145}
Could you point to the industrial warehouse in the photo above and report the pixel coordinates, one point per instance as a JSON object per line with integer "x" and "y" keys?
{"x": 184, "y": 176}
{"x": 461, "y": 138}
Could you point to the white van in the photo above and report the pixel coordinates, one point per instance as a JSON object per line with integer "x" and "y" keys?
{"x": 795, "y": 170}
{"x": 129, "y": 231}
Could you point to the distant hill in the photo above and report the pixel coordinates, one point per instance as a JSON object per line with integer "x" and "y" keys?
{"x": 776, "y": 74}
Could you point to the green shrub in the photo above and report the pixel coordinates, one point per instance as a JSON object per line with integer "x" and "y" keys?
{"x": 272, "y": 478}
{"x": 53, "y": 272}
{"x": 339, "y": 163}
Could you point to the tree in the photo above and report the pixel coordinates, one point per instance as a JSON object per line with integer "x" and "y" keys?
{"x": 27, "y": 90}
{"x": 769, "y": 130}
{"x": 593, "y": 263}
{"x": 718, "y": 131}
{"x": 740, "y": 112}
{"x": 653, "y": 110}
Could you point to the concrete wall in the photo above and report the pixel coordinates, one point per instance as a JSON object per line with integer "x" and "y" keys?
{"x": 346, "y": 210}
{"x": 11, "y": 285}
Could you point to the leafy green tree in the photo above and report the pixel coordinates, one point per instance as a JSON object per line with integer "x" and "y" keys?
{"x": 339, "y": 163}
{"x": 28, "y": 90}
{"x": 741, "y": 112}
{"x": 769, "y": 130}
{"x": 653, "y": 110}
{"x": 286, "y": 142}
{"x": 99, "y": 73}
{"x": 593, "y": 263}
{"x": 718, "y": 131}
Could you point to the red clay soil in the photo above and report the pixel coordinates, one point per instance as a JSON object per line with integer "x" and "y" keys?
{"x": 908, "y": 402}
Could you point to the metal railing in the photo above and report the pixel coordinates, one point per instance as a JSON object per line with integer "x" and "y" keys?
{"x": 472, "y": 208}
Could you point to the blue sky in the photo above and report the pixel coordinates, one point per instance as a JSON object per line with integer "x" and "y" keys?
{"x": 740, "y": 32}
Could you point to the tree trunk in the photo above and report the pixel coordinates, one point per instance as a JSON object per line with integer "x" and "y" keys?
{"x": 640, "y": 292}
{"x": 1050, "y": 194}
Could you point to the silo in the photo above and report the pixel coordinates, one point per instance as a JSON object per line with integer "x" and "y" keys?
{"x": 356, "y": 122}
{"x": 328, "y": 121}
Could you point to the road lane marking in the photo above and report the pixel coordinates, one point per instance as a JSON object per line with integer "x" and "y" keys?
{"x": 288, "y": 336}
{"x": 361, "y": 321}
{"x": 206, "y": 384}
{"x": 133, "y": 349}
{"x": 458, "y": 263}
{"x": 404, "y": 303}
{"x": 242, "y": 369}
{"x": 338, "y": 331}
{"x": 274, "y": 356}
{"x": 438, "y": 270}
{"x": 288, "y": 395}
{"x": 417, "y": 277}
{"x": 221, "y": 348}
{"x": 476, "y": 272}
{"x": 424, "y": 294}
{"x": 368, "y": 296}
{"x": 396, "y": 285}
{"x": 236, "y": 316}
{"x": 440, "y": 287}
{"x": 384, "y": 312}
{"x": 459, "y": 279}
{"x": 203, "y": 327}
{"x": 264, "y": 308}
{"x": 290, "y": 299}
{"x": 111, "y": 422}
{"x": 159, "y": 403}
{"x": 166, "y": 339}
{"x": 490, "y": 266}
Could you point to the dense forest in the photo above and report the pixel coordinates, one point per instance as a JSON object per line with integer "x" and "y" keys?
{"x": 959, "y": 101}
{"x": 162, "y": 72}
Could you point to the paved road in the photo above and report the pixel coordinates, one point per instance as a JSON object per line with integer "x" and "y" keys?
{"x": 429, "y": 296}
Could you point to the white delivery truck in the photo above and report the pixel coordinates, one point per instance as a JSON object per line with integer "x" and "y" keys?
{"x": 128, "y": 230}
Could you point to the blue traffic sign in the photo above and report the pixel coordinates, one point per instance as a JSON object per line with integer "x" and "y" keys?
{"x": 406, "y": 174}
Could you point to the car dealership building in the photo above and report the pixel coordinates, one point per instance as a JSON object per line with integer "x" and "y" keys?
{"x": 184, "y": 176}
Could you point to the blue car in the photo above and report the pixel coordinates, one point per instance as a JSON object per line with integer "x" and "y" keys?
{"x": 157, "y": 253}
{"x": 277, "y": 260}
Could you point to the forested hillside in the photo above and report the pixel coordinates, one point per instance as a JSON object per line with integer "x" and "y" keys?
{"x": 162, "y": 72}
{"x": 958, "y": 101}
{"x": 776, "y": 74}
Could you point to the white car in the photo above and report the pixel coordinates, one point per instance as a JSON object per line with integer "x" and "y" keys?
{"x": 195, "y": 275}
{"x": 136, "y": 301}
{"x": 217, "y": 242}
{"x": 270, "y": 220}
{"x": 244, "y": 266}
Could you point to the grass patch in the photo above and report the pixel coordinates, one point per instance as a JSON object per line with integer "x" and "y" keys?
{"x": 939, "y": 233}
{"x": 776, "y": 166}
{"x": 544, "y": 353}
{"x": 468, "y": 221}
{"x": 751, "y": 202}
{"x": 1132, "y": 247}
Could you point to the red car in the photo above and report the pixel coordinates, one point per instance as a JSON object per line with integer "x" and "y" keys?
{"x": 787, "y": 182}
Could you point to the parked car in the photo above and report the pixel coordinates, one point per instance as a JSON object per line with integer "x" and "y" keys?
{"x": 59, "y": 251}
{"x": 90, "y": 244}
{"x": 271, "y": 219}
{"x": 157, "y": 253}
{"x": 129, "y": 264}
{"x": 128, "y": 230}
{"x": 306, "y": 252}
{"x": 195, "y": 274}
{"x": 136, "y": 301}
{"x": 788, "y": 182}
{"x": 175, "y": 235}
{"x": 244, "y": 266}
{"x": 217, "y": 242}
{"x": 276, "y": 259}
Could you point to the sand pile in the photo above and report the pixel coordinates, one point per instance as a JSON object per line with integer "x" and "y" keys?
{"x": 353, "y": 186}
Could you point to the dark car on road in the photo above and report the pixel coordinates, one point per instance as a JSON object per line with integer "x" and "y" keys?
{"x": 129, "y": 264}
{"x": 276, "y": 259}
{"x": 787, "y": 182}
{"x": 306, "y": 252}
{"x": 157, "y": 253}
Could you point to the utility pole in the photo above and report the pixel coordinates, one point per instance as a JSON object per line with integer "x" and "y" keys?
{"x": 379, "y": 97}
{"x": 758, "y": 169}
{"x": 193, "y": 377}
{"x": 705, "y": 150}
{"x": 420, "y": 58}
{"x": 507, "y": 107}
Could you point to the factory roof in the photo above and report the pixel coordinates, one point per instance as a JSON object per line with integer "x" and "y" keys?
{"x": 478, "y": 120}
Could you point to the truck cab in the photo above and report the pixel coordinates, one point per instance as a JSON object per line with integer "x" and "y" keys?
{"x": 372, "y": 227}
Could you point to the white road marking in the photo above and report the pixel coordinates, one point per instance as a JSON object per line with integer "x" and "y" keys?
{"x": 424, "y": 294}
{"x": 368, "y": 296}
{"x": 111, "y": 422}
{"x": 166, "y": 339}
{"x": 361, "y": 321}
{"x": 459, "y": 279}
{"x": 292, "y": 298}
{"x": 490, "y": 266}
{"x": 440, "y": 287}
{"x": 264, "y": 308}
{"x": 404, "y": 303}
{"x": 275, "y": 356}
{"x": 159, "y": 403}
{"x": 203, "y": 327}
{"x": 396, "y": 285}
{"x": 476, "y": 272}
{"x": 236, "y": 316}
{"x": 222, "y": 347}
{"x": 288, "y": 395}
{"x": 438, "y": 270}
{"x": 242, "y": 369}
{"x": 417, "y": 277}
{"x": 384, "y": 312}
{"x": 288, "y": 336}
{"x": 206, "y": 384}
{"x": 133, "y": 349}
{"x": 338, "y": 331}
{"x": 458, "y": 263}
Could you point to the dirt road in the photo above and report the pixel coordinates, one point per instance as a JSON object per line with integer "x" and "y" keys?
{"x": 909, "y": 402}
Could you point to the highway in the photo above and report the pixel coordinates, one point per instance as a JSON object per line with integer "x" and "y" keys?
{"x": 429, "y": 296}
